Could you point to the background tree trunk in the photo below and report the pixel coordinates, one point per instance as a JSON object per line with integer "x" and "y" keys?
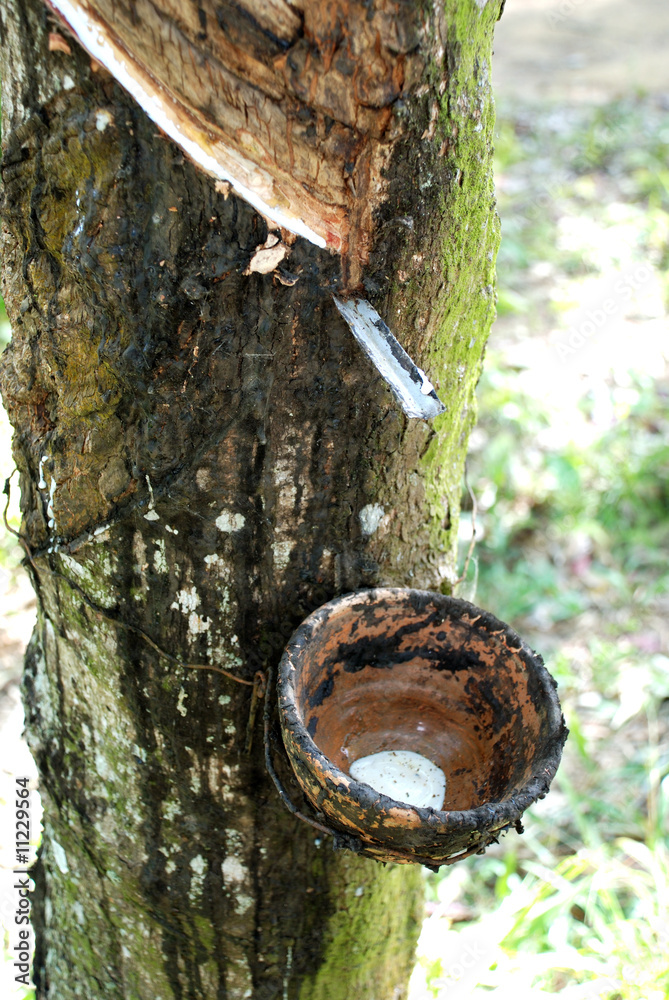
{"x": 205, "y": 457}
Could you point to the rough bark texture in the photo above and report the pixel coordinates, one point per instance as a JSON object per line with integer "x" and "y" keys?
{"x": 205, "y": 457}
{"x": 294, "y": 100}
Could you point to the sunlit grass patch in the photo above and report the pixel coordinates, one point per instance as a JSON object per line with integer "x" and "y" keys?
{"x": 595, "y": 924}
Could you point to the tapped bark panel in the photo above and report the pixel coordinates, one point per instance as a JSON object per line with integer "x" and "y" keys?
{"x": 296, "y": 108}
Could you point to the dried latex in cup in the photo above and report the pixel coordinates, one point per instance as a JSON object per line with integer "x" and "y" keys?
{"x": 402, "y": 775}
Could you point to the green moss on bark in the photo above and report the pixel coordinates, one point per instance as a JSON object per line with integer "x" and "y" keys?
{"x": 432, "y": 278}
{"x": 470, "y": 239}
{"x": 376, "y": 913}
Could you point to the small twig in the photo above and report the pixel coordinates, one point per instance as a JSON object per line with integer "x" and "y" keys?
{"x": 472, "y": 543}
{"x": 140, "y": 632}
{"x": 199, "y": 666}
{"x": 17, "y": 534}
{"x": 6, "y": 491}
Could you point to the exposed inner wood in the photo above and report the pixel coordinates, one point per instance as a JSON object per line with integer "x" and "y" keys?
{"x": 293, "y": 103}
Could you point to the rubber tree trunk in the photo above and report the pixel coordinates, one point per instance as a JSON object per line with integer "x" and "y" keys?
{"x": 205, "y": 456}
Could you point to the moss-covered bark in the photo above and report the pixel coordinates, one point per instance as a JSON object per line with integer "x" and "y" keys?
{"x": 196, "y": 448}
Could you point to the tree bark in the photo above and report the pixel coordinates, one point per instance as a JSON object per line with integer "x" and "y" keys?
{"x": 205, "y": 456}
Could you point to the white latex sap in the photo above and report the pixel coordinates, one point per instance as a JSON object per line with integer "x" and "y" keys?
{"x": 403, "y": 775}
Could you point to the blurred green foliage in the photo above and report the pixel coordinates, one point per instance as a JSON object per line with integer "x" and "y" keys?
{"x": 606, "y": 502}
{"x": 572, "y": 542}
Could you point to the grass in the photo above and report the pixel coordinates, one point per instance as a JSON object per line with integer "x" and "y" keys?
{"x": 592, "y": 924}
{"x": 570, "y": 467}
